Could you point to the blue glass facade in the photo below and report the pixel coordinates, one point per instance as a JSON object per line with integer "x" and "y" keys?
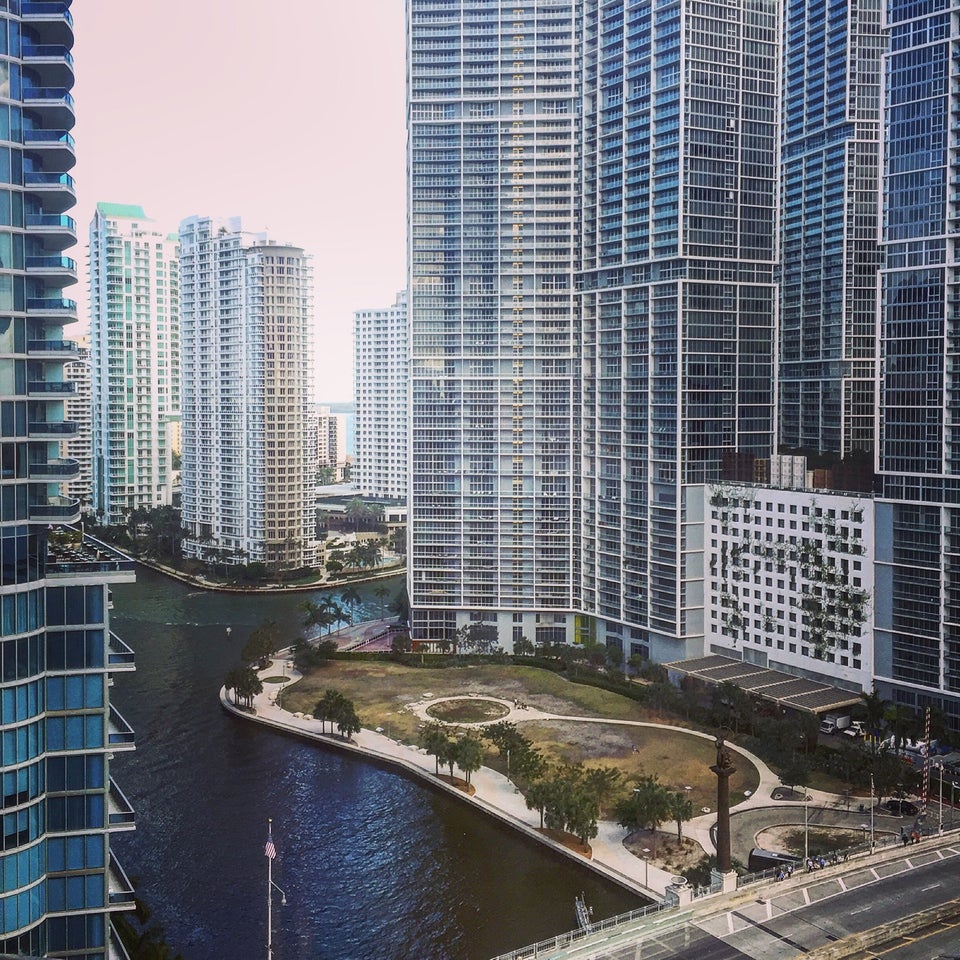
{"x": 829, "y": 250}
{"x": 678, "y": 297}
{"x": 57, "y": 729}
{"x": 918, "y": 518}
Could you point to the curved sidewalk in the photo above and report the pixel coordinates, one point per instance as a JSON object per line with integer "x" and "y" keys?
{"x": 495, "y": 794}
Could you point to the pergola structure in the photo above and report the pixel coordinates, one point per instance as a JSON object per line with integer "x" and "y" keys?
{"x": 784, "y": 689}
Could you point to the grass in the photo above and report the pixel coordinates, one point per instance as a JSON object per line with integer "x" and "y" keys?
{"x": 382, "y": 692}
{"x": 468, "y": 711}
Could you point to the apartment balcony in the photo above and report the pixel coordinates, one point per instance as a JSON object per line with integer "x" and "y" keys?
{"x": 57, "y": 271}
{"x": 56, "y": 230}
{"x": 54, "y": 471}
{"x": 50, "y": 389}
{"x": 120, "y": 734}
{"x": 53, "y": 349}
{"x": 119, "y": 887}
{"x": 51, "y": 430}
{"x": 53, "y": 104}
{"x": 52, "y": 63}
{"x": 120, "y": 814}
{"x": 56, "y": 510}
{"x": 119, "y": 655}
{"x": 55, "y": 148}
{"x": 58, "y": 309}
{"x": 56, "y": 191}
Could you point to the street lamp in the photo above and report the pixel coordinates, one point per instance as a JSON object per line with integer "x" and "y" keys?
{"x": 646, "y": 867}
{"x": 940, "y": 768}
{"x": 872, "y": 836}
{"x": 806, "y": 824}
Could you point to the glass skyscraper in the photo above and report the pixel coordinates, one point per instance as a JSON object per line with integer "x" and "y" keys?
{"x": 829, "y": 253}
{"x": 918, "y": 516}
{"x": 592, "y": 248}
{"x": 493, "y": 123}
{"x": 678, "y": 296}
{"x": 58, "y": 731}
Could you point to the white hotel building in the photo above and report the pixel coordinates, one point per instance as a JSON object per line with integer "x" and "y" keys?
{"x": 789, "y": 581}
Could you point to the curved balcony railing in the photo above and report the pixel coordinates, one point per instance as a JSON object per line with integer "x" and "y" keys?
{"x": 47, "y": 95}
{"x": 51, "y": 305}
{"x": 37, "y": 178}
{"x": 46, "y": 264}
{"x": 56, "y": 510}
{"x": 61, "y": 468}
{"x": 49, "y": 221}
{"x": 59, "y": 349}
{"x": 46, "y": 51}
{"x": 47, "y": 388}
{"x": 55, "y": 429}
{"x": 31, "y": 9}
{"x": 31, "y": 137}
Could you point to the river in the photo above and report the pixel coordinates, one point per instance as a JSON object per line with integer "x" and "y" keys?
{"x": 374, "y": 866}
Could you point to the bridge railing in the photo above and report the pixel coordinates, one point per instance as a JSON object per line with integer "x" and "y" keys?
{"x": 566, "y": 939}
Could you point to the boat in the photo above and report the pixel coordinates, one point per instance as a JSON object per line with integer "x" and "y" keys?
{"x": 584, "y": 913}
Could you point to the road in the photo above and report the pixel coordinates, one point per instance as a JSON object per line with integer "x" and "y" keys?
{"x": 813, "y": 913}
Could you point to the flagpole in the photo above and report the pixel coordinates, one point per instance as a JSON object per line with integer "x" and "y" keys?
{"x": 269, "y": 891}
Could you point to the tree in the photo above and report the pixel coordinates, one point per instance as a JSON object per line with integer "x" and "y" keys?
{"x": 648, "y": 805}
{"x": 329, "y": 707}
{"x": 901, "y": 722}
{"x": 681, "y": 810}
{"x": 348, "y": 723}
{"x": 350, "y": 595}
{"x": 433, "y": 739}
{"x": 523, "y": 647}
{"x": 537, "y": 796}
{"x": 875, "y": 707}
{"x": 582, "y": 815}
{"x": 245, "y": 683}
{"x": 602, "y": 782}
{"x": 795, "y": 771}
{"x": 381, "y": 593}
{"x": 400, "y": 643}
{"x": 262, "y": 643}
{"x": 469, "y": 755}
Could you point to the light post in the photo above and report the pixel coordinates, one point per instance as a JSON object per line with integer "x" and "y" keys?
{"x": 646, "y": 867}
{"x": 806, "y": 825}
{"x": 940, "y": 805}
{"x": 508, "y": 763}
{"x": 872, "y": 840}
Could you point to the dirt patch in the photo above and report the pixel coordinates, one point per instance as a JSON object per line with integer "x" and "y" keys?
{"x": 569, "y": 841}
{"x": 458, "y": 783}
{"x": 665, "y": 851}
{"x": 471, "y": 710}
{"x": 789, "y": 838}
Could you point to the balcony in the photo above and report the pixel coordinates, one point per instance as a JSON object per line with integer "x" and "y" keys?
{"x": 56, "y": 191}
{"x": 50, "y": 389}
{"x": 119, "y": 809}
{"x": 56, "y": 510}
{"x": 52, "y": 63}
{"x": 53, "y": 471}
{"x": 56, "y": 230}
{"x": 63, "y": 310}
{"x": 51, "y": 430}
{"x": 55, "y": 148}
{"x": 54, "y": 104}
{"x": 119, "y": 733}
{"x": 53, "y": 349}
{"x": 119, "y": 655}
{"x": 68, "y": 556}
{"x": 120, "y": 889}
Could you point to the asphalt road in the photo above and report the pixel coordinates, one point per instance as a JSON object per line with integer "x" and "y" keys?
{"x": 817, "y": 912}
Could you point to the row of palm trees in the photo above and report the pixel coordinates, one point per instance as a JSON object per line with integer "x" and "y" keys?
{"x": 337, "y": 710}
{"x": 465, "y": 751}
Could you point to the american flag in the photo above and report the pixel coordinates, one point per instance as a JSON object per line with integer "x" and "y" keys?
{"x": 270, "y": 850}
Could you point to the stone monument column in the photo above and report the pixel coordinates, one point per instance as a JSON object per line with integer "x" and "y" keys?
{"x": 723, "y": 768}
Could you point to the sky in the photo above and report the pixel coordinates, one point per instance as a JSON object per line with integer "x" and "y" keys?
{"x": 289, "y": 114}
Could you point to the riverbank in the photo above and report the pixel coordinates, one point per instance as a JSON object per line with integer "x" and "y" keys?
{"x": 324, "y": 583}
{"x": 495, "y": 794}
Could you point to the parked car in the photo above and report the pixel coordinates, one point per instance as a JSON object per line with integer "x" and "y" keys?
{"x": 902, "y": 808}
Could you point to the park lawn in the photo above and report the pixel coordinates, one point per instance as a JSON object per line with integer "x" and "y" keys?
{"x": 382, "y": 691}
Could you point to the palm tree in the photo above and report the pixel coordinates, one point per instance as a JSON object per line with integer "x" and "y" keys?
{"x": 381, "y": 593}
{"x": 875, "y": 707}
{"x": 681, "y": 810}
{"x": 434, "y": 740}
{"x": 351, "y": 597}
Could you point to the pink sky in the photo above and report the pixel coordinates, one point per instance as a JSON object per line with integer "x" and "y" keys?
{"x": 288, "y": 113}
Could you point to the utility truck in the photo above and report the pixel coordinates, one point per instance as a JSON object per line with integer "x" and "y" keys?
{"x": 834, "y": 723}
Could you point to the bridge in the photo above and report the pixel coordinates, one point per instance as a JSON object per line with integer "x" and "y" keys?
{"x": 904, "y": 896}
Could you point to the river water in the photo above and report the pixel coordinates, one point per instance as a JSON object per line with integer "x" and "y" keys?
{"x": 374, "y": 866}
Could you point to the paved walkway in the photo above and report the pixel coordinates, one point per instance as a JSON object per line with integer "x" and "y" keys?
{"x": 497, "y": 796}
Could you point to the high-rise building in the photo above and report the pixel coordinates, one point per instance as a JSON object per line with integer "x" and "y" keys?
{"x": 917, "y": 660}
{"x": 493, "y": 122}
{"x": 79, "y": 410}
{"x": 247, "y": 470}
{"x": 60, "y": 881}
{"x": 135, "y": 355}
{"x": 829, "y": 250}
{"x": 678, "y": 294}
{"x": 380, "y": 390}
{"x": 592, "y": 305}
{"x": 331, "y": 444}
